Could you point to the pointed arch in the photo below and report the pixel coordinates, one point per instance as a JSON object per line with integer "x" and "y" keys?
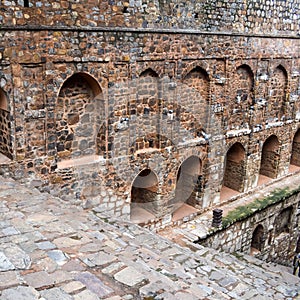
{"x": 79, "y": 114}
{"x": 270, "y": 157}
{"x": 149, "y": 72}
{"x": 147, "y": 92}
{"x": 235, "y": 167}
{"x": 242, "y": 90}
{"x": 189, "y": 182}
{"x": 198, "y": 80}
{"x": 144, "y": 191}
{"x": 201, "y": 65}
{"x": 257, "y": 238}
{"x": 277, "y": 94}
{"x": 241, "y": 71}
{"x": 83, "y": 79}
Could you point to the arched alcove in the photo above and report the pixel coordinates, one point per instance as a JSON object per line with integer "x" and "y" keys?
{"x": 282, "y": 222}
{"x": 295, "y": 156}
{"x": 147, "y": 92}
{"x": 234, "y": 175}
{"x": 144, "y": 191}
{"x": 145, "y": 107}
{"x": 270, "y": 157}
{"x": 257, "y": 239}
{"x": 242, "y": 87}
{"x": 189, "y": 182}
{"x": 277, "y": 94}
{"x": 192, "y": 110}
{"x": 198, "y": 80}
{"x": 79, "y": 115}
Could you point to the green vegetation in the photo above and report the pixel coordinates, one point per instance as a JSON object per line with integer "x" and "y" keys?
{"x": 244, "y": 211}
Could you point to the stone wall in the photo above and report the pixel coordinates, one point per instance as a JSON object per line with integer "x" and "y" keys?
{"x": 91, "y": 106}
{"x": 270, "y": 234}
{"x": 257, "y": 17}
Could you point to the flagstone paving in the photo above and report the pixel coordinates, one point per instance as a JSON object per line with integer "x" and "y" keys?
{"x": 50, "y": 249}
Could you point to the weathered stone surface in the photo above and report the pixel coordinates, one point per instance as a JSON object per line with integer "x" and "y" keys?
{"x": 58, "y": 256}
{"x": 16, "y": 256}
{"x": 9, "y": 279}
{"x": 73, "y": 287}
{"x": 129, "y": 276}
{"x": 39, "y": 279}
{"x": 46, "y": 245}
{"x": 5, "y": 264}
{"x": 86, "y": 295}
{"x": 94, "y": 284}
{"x": 99, "y": 259}
{"x": 139, "y": 264}
{"x": 10, "y": 231}
{"x": 20, "y": 292}
{"x": 55, "y": 293}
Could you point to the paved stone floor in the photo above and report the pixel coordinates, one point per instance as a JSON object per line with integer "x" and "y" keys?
{"x": 52, "y": 250}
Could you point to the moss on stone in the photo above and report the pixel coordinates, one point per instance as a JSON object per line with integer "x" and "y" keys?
{"x": 244, "y": 211}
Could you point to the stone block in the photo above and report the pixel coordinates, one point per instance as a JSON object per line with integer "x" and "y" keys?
{"x": 98, "y": 259}
{"x": 94, "y": 284}
{"x": 129, "y": 276}
{"x": 5, "y": 264}
{"x": 55, "y": 294}
{"x": 20, "y": 292}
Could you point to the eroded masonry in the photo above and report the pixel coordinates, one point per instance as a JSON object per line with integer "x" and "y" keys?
{"x": 138, "y": 108}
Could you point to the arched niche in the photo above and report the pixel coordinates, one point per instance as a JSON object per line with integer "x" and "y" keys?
{"x": 242, "y": 88}
{"x": 277, "y": 94}
{"x": 198, "y": 81}
{"x": 147, "y": 92}
{"x": 257, "y": 241}
{"x": 189, "y": 182}
{"x": 295, "y": 157}
{"x": 270, "y": 157}
{"x": 79, "y": 116}
{"x": 144, "y": 192}
{"x": 283, "y": 221}
{"x": 234, "y": 175}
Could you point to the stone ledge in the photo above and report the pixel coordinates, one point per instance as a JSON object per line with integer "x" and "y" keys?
{"x": 86, "y": 160}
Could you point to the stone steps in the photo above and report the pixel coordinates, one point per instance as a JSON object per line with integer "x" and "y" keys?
{"x": 52, "y": 249}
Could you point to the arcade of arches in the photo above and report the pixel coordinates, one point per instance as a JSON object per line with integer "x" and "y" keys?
{"x": 148, "y": 135}
{"x": 156, "y": 112}
{"x": 154, "y": 126}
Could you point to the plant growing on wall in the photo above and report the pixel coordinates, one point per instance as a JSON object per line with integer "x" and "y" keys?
{"x": 244, "y": 211}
